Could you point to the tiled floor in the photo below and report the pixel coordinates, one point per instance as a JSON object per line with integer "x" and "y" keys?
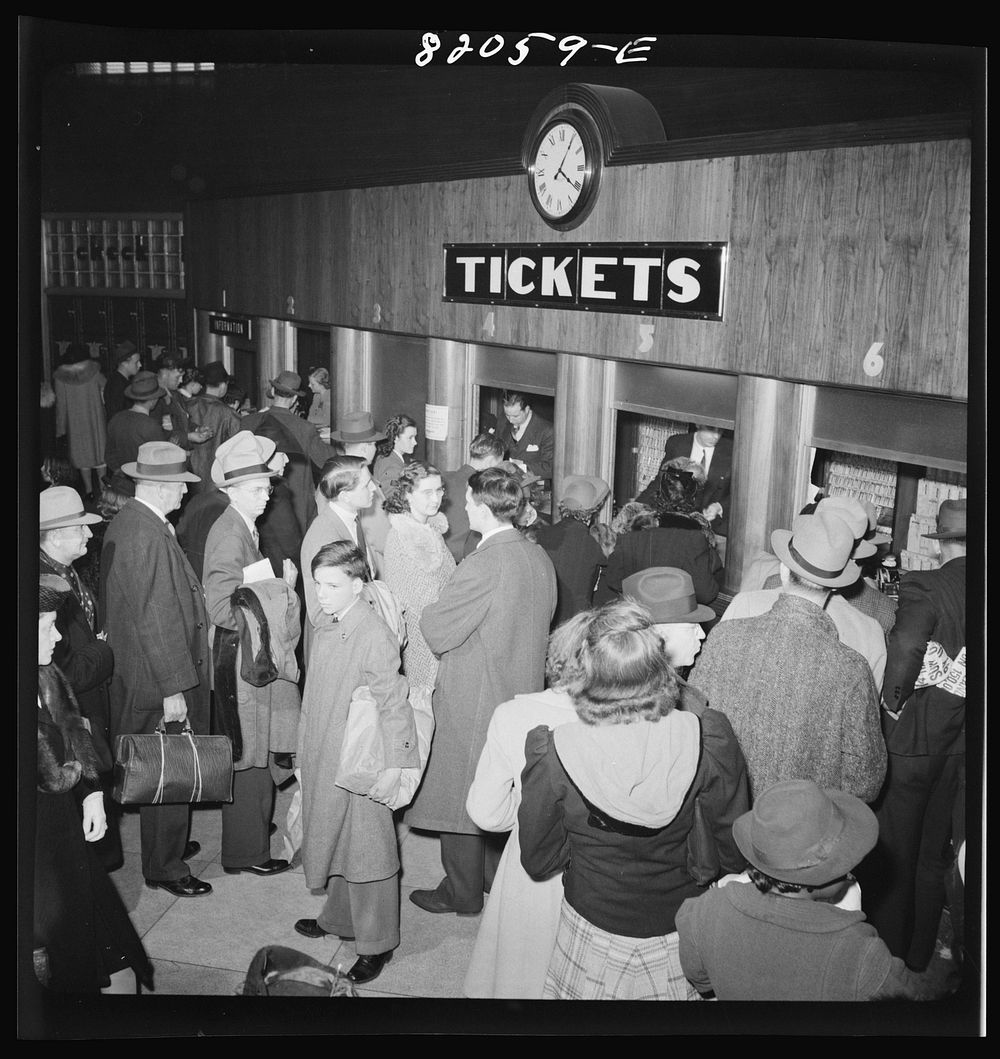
{"x": 203, "y": 946}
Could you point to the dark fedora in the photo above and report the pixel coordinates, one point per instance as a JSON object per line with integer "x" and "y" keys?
{"x": 799, "y": 833}
{"x": 144, "y": 387}
{"x": 951, "y": 521}
{"x": 288, "y": 384}
{"x": 819, "y": 547}
{"x": 356, "y": 428}
{"x": 668, "y": 594}
{"x": 215, "y": 373}
{"x": 160, "y": 461}
{"x": 124, "y": 350}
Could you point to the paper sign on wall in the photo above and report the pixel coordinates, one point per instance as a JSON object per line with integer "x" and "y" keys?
{"x": 436, "y": 422}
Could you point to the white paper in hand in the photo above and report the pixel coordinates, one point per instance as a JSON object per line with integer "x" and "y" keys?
{"x": 258, "y": 571}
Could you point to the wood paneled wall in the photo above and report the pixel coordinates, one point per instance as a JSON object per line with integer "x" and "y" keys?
{"x": 831, "y": 251}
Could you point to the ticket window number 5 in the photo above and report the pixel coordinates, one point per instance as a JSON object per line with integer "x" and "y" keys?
{"x": 874, "y": 362}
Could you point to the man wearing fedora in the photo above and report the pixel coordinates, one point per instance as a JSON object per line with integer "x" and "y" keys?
{"x": 127, "y": 365}
{"x": 82, "y": 654}
{"x": 924, "y": 725}
{"x": 264, "y": 718}
{"x": 133, "y": 427}
{"x": 153, "y": 609}
{"x": 578, "y": 558}
{"x": 208, "y": 410}
{"x": 299, "y": 440}
{"x": 792, "y": 927}
{"x": 803, "y": 705}
{"x": 855, "y": 628}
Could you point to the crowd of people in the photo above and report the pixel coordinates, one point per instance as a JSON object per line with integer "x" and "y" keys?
{"x": 643, "y": 802}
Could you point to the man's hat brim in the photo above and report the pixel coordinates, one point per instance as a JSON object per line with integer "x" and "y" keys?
{"x": 780, "y": 540}
{"x": 146, "y": 476}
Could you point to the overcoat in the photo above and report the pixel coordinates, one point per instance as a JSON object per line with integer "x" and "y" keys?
{"x": 490, "y": 628}
{"x": 80, "y": 412}
{"x": 343, "y": 833}
{"x": 273, "y": 708}
{"x": 578, "y": 561}
{"x": 153, "y": 610}
{"x": 207, "y": 410}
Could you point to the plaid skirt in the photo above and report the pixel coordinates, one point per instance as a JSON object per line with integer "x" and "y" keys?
{"x": 590, "y": 964}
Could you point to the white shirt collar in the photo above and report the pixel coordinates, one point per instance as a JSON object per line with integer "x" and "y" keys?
{"x": 250, "y": 525}
{"x": 493, "y": 533}
{"x": 156, "y": 511}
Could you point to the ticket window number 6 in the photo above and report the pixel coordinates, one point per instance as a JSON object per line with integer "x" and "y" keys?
{"x": 874, "y": 362}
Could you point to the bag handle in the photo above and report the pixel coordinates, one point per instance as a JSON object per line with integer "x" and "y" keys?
{"x": 197, "y": 786}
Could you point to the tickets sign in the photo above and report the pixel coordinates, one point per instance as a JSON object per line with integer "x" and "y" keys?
{"x": 654, "y": 279}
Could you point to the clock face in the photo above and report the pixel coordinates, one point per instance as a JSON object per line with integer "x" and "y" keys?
{"x": 561, "y": 169}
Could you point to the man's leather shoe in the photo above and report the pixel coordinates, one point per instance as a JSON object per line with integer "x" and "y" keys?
{"x": 432, "y": 901}
{"x": 269, "y": 867}
{"x": 192, "y": 849}
{"x": 368, "y": 968}
{"x": 189, "y": 886}
{"x": 309, "y": 928}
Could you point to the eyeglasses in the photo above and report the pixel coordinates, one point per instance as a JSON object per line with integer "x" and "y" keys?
{"x": 260, "y": 490}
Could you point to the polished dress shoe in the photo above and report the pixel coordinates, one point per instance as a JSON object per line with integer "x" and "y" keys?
{"x": 192, "y": 849}
{"x": 269, "y": 867}
{"x": 368, "y": 968}
{"x": 309, "y": 928}
{"x": 432, "y": 901}
{"x": 189, "y": 886}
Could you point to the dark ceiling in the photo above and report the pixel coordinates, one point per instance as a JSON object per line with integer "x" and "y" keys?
{"x": 298, "y": 110}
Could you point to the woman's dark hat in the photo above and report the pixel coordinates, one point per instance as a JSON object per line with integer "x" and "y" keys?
{"x": 951, "y": 521}
{"x": 798, "y": 833}
{"x": 668, "y": 594}
{"x": 356, "y": 428}
{"x": 52, "y": 590}
{"x": 144, "y": 387}
{"x": 288, "y": 384}
{"x": 215, "y": 373}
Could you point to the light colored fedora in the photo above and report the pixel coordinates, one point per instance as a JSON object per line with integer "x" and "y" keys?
{"x": 667, "y": 592}
{"x": 356, "y": 428}
{"x": 243, "y": 458}
{"x": 861, "y": 518}
{"x": 60, "y": 506}
{"x": 583, "y": 492}
{"x": 818, "y": 547}
{"x": 160, "y": 461}
{"x": 799, "y": 833}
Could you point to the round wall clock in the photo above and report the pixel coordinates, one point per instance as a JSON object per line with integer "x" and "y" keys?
{"x": 564, "y": 174}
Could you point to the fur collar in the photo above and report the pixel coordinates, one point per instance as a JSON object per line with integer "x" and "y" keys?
{"x": 81, "y": 372}
{"x": 65, "y": 750}
{"x": 422, "y": 540}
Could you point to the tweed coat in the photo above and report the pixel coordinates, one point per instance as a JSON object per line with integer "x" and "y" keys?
{"x": 264, "y": 711}
{"x": 536, "y": 447}
{"x": 490, "y": 629}
{"x": 803, "y": 705}
{"x": 153, "y": 610}
{"x": 80, "y": 412}
{"x": 343, "y": 833}
{"x": 638, "y": 550}
{"x": 717, "y": 486}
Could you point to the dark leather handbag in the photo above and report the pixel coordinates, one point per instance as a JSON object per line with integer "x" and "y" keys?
{"x": 159, "y": 769}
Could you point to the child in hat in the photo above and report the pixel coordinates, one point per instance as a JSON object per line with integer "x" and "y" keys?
{"x": 795, "y": 929}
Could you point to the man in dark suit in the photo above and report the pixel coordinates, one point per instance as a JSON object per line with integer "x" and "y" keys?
{"x": 527, "y": 439}
{"x": 82, "y": 654}
{"x": 127, "y": 365}
{"x": 153, "y": 609}
{"x": 485, "y": 451}
{"x": 924, "y": 726}
{"x": 708, "y": 447}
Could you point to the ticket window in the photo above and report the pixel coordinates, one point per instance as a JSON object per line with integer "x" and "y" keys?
{"x": 313, "y": 350}
{"x": 491, "y": 418}
{"x": 245, "y": 376}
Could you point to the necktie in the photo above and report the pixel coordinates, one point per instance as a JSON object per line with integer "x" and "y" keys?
{"x": 704, "y": 465}
{"x": 362, "y": 542}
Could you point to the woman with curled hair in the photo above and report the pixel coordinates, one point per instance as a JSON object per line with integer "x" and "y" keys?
{"x": 319, "y": 407}
{"x": 392, "y": 453}
{"x": 633, "y": 802}
{"x": 417, "y": 562}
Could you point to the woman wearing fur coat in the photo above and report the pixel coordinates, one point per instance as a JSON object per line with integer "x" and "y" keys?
{"x": 418, "y": 563}
{"x": 83, "y": 938}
